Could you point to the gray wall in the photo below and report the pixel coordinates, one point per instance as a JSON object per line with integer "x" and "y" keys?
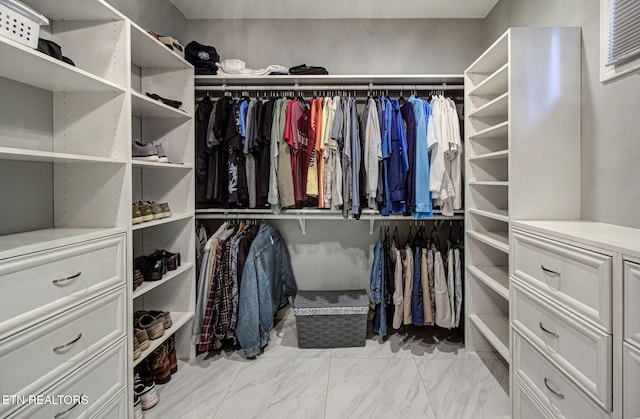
{"x": 159, "y": 16}
{"x": 346, "y": 46}
{"x": 610, "y": 137}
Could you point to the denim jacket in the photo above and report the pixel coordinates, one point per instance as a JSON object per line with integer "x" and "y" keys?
{"x": 267, "y": 281}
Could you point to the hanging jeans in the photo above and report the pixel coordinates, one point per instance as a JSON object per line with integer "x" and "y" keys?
{"x": 377, "y": 289}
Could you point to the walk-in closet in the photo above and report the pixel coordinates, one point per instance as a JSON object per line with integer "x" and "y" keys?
{"x": 339, "y": 210}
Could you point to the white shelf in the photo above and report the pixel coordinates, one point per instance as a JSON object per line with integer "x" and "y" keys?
{"x": 34, "y": 68}
{"x": 496, "y": 84}
{"x": 149, "y": 285}
{"x": 493, "y": 58}
{"x": 145, "y": 107}
{"x": 496, "y": 155}
{"x": 179, "y": 319}
{"x": 308, "y": 213}
{"x": 489, "y": 183}
{"x": 496, "y": 107}
{"x": 496, "y": 214}
{"x": 174, "y": 218}
{"x": 500, "y": 130}
{"x": 38, "y": 240}
{"x": 20, "y": 154}
{"x": 495, "y": 277}
{"x": 75, "y": 9}
{"x": 494, "y": 239}
{"x": 148, "y": 52}
{"x": 495, "y": 328}
{"x": 156, "y": 165}
{"x": 399, "y": 79}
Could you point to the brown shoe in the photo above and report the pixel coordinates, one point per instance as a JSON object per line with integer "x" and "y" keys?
{"x": 167, "y": 322}
{"x": 171, "y": 349}
{"x": 159, "y": 365}
{"x": 143, "y": 338}
{"x": 136, "y": 349}
{"x": 154, "y": 326}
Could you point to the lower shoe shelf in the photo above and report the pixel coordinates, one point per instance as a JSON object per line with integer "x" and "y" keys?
{"x": 495, "y": 328}
{"x": 179, "y": 319}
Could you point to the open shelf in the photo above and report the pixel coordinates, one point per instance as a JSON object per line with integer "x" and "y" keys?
{"x": 496, "y": 56}
{"x": 156, "y": 165}
{"x": 179, "y": 319}
{"x": 34, "y": 68}
{"x": 494, "y": 108}
{"x": 20, "y": 154}
{"x": 496, "y": 214}
{"x": 75, "y": 9}
{"x": 488, "y": 183}
{"x": 398, "y": 79}
{"x": 494, "y": 85}
{"x": 495, "y": 328}
{"x": 496, "y": 155}
{"x": 148, "y": 52}
{"x": 174, "y": 218}
{"x": 500, "y": 130}
{"x": 308, "y": 213}
{"x": 149, "y": 285}
{"x": 498, "y": 240}
{"x": 145, "y": 107}
{"x": 495, "y": 277}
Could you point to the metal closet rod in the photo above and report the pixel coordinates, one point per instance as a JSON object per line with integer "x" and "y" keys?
{"x": 311, "y": 87}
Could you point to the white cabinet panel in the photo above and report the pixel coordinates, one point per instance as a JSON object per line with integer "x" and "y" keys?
{"x": 561, "y": 397}
{"x": 632, "y": 303}
{"x": 36, "y": 357}
{"x": 631, "y": 368}
{"x": 573, "y": 277}
{"x": 524, "y": 406}
{"x": 580, "y": 350}
{"x": 38, "y": 285}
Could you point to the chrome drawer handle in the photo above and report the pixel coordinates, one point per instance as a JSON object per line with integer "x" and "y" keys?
{"x": 549, "y": 271}
{"x": 66, "y": 345}
{"x": 67, "y": 410}
{"x": 547, "y": 331}
{"x": 558, "y": 395}
{"x": 69, "y": 278}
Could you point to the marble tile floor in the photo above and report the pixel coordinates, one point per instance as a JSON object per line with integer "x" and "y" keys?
{"x": 401, "y": 376}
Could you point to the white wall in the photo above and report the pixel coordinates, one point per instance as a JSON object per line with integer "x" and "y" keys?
{"x": 346, "y": 46}
{"x": 610, "y": 138}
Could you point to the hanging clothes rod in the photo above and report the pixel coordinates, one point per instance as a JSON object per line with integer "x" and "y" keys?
{"x": 311, "y": 87}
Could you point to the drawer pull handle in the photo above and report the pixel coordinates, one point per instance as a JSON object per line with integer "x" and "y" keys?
{"x": 558, "y": 395}
{"x": 549, "y": 271}
{"x": 547, "y": 331}
{"x": 66, "y": 345}
{"x": 61, "y": 281}
{"x": 67, "y": 410}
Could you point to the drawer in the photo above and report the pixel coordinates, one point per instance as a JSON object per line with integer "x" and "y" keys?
{"x": 35, "y": 286}
{"x": 631, "y": 368}
{"x": 524, "y": 405}
{"x": 40, "y": 355}
{"x": 554, "y": 390}
{"x": 95, "y": 390}
{"x": 580, "y": 350}
{"x": 573, "y": 277}
{"x": 632, "y": 303}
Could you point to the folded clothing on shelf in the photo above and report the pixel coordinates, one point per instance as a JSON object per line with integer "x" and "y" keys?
{"x": 304, "y": 69}
{"x": 202, "y": 57}
{"x": 235, "y": 67}
{"x": 53, "y": 50}
{"x": 170, "y": 102}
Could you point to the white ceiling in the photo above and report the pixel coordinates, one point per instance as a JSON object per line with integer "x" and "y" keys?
{"x": 333, "y": 9}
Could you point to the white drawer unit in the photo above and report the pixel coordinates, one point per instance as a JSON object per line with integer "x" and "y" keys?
{"x": 37, "y": 356}
{"x": 573, "y": 277}
{"x": 525, "y": 407}
{"x": 556, "y": 392}
{"x": 39, "y": 285}
{"x": 631, "y": 368}
{"x": 88, "y": 392}
{"x": 580, "y": 350}
{"x": 632, "y": 303}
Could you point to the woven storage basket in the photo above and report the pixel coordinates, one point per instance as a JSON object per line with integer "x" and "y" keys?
{"x": 331, "y": 319}
{"x": 20, "y": 23}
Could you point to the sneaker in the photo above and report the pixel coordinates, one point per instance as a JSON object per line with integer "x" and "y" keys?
{"x": 145, "y": 152}
{"x": 172, "y": 260}
{"x": 137, "y": 408}
{"x": 162, "y": 156}
{"x": 142, "y": 337}
{"x": 165, "y": 209}
{"x": 145, "y": 210}
{"x": 167, "y": 322}
{"x": 156, "y": 210}
{"x": 136, "y": 215}
{"x": 138, "y": 278}
{"x": 136, "y": 349}
{"x": 146, "y": 391}
{"x": 152, "y": 269}
{"x": 153, "y": 326}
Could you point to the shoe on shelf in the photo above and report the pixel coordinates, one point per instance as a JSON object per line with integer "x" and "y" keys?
{"x": 138, "y": 278}
{"x": 165, "y": 209}
{"x": 156, "y": 210}
{"x": 137, "y": 408}
{"x": 159, "y": 364}
{"x": 136, "y": 349}
{"x": 152, "y": 269}
{"x": 172, "y": 260}
{"x": 153, "y": 326}
{"x": 145, "y": 210}
{"x": 144, "y": 152}
{"x": 146, "y": 391}
{"x": 170, "y": 102}
{"x": 162, "y": 156}
{"x": 171, "y": 349}
{"x": 142, "y": 337}
{"x": 136, "y": 215}
{"x": 167, "y": 322}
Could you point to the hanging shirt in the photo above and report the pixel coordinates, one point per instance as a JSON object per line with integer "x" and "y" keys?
{"x": 409, "y": 125}
{"x": 372, "y": 153}
{"x": 422, "y": 111}
{"x": 407, "y": 275}
{"x": 424, "y": 278}
{"x": 443, "y": 304}
{"x": 356, "y": 160}
{"x": 458, "y": 283}
{"x": 417, "y": 302}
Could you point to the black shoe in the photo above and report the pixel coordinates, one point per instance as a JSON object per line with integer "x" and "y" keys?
{"x": 152, "y": 269}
